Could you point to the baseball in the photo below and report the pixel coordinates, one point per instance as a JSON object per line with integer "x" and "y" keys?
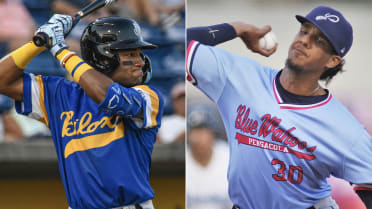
{"x": 268, "y": 41}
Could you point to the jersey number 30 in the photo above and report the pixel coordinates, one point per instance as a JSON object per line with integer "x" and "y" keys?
{"x": 295, "y": 173}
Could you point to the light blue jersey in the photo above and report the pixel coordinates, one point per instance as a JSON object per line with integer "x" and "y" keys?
{"x": 280, "y": 154}
{"x": 104, "y": 155}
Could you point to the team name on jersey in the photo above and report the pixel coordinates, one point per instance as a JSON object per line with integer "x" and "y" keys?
{"x": 78, "y": 131}
{"x": 84, "y": 124}
{"x": 269, "y": 125}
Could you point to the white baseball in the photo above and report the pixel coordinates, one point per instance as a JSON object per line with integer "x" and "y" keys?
{"x": 268, "y": 41}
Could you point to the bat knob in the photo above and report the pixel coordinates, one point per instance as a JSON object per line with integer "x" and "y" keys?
{"x": 40, "y": 39}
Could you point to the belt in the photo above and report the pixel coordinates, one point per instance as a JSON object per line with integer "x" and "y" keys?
{"x": 237, "y": 207}
{"x": 143, "y": 205}
{"x": 138, "y": 206}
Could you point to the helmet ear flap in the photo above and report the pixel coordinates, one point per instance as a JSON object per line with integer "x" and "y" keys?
{"x": 146, "y": 69}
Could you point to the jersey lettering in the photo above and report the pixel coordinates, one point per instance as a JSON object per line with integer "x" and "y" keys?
{"x": 84, "y": 125}
{"x": 269, "y": 125}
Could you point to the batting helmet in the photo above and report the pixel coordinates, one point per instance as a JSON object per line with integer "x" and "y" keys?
{"x": 102, "y": 39}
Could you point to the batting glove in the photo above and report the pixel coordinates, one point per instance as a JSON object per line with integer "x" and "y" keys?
{"x": 56, "y": 40}
{"x": 64, "y": 20}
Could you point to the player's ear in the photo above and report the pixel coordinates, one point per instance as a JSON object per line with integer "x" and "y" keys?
{"x": 333, "y": 61}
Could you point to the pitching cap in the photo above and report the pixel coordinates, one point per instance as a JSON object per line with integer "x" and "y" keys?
{"x": 333, "y": 25}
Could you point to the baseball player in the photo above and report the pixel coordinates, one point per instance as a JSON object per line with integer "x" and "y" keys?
{"x": 286, "y": 133}
{"x": 104, "y": 124}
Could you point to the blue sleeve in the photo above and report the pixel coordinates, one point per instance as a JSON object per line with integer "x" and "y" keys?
{"x": 358, "y": 162}
{"x": 25, "y": 107}
{"x": 211, "y": 35}
{"x": 205, "y": 70}
{"x": 122, "y": 101}
{"x": 39, "y": 93}
{"x": 140, "y": 103}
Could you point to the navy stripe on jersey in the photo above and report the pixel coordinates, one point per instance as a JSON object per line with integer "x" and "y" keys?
{"x": 191, "y": 49}
{"x": 25, "y": 107}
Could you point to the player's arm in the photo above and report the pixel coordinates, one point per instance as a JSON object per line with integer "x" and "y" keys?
{"x": 216, "y": 34}
{"x": 94, "y": 83}
{"x": 111, "y": 97}
{"x": 141, "y": 103}
{"x": 211, "y": 35}
{"x": 11, "y": 69}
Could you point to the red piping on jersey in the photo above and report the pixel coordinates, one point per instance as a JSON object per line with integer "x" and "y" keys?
{"x": 297, "y": 107}
{"x": 360, "y": 188}
{"x": 189, "y": 49}
{"x": 277, "y": 97}
{"x": 187, "y": 54}
{"x": 189, "y": 76}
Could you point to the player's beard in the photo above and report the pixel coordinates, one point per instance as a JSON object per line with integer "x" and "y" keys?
{"x": 293, "y": 67}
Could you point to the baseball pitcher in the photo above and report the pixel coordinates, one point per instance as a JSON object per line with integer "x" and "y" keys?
{"x": 286, "y": 133}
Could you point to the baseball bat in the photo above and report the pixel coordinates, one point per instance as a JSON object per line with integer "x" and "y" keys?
{"x": 41, "y": 39}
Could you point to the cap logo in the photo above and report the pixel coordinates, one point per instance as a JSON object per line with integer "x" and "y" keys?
{"x": 328, "y": 16}
{"x": 137, "y": 29}
{"x": 342, "y": 50}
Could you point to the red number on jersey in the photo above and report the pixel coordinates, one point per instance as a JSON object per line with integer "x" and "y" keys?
{"x": 295, "y": 174}
{"x": 281, "y": 175}
{"x": 292, "y": 171}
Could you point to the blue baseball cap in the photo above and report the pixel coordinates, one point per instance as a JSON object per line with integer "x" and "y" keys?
{"x": 333, "y": 25}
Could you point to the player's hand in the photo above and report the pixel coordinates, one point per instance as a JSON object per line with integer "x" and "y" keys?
{"x": 251, "y": 35}
{"x": 56, "y": 40}
{"x": 65, "y": 20}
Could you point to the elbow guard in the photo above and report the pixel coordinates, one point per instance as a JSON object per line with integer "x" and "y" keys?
{"x": 122, "y": 101}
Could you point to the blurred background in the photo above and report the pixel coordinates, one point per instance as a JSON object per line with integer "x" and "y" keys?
{"x": 353, "y": 87}
{"x": 29, "y": 176}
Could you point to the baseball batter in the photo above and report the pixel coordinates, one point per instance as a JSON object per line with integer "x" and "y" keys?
{"x": 104, "y": 124}
{"x": 287, "y": 134}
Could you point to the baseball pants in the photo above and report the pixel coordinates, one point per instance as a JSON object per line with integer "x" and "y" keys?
{"x": 326, "y": 203}
{"x": 144, "y": 205}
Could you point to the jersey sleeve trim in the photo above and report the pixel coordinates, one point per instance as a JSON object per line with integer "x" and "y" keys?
{"x": 297, "y": 107}
{"x": 40, "y": 83}
{"x": 25, "y": 107}
{"x": 152, "y": 107}
{"x": 32, "y": 104}
{"x": 191, "y": 49}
